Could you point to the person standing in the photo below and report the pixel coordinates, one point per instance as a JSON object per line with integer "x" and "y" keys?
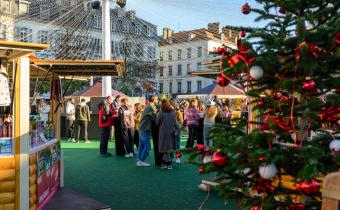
{"x": 127, "y": 123}
{"x": 209, "y": 117}
{"x": 83, "y": 118}
{"x": 106, "y": 114}
{"x": 180, "y": 120}
{"x": 70, "y": 117}
{"x": 119, "y": 143}
{"x": 43, "y": 110}
{"x": 192, "y": 119}
{"x": 138, "y": 116}
{"x": 149, "y": 114}
{"x": 168, "y": 126}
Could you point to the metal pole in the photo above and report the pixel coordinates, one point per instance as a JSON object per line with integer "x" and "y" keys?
{"x": 106, "y": 45}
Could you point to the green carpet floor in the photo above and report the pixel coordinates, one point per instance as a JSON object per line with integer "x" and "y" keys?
{"x": 117, "y": 181}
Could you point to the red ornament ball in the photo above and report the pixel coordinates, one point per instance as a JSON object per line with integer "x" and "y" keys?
{"x": 309, "y": 188}
{"x": 222, "y": 81}
{"x": 245, "y": 9}
{"x": 178, "y": 155}
{"x": 242, "y": 33}
{"x": 201, "y": 170}
{"x": 262, "y": 158}
{"x": 255, "y": 208}
{"x": 308, "y": 85}
{"x": 219, "y": 159}
{"x": 200, "y": 147}
{"x": 282, "y": 10}
{"x": 296, "y": 206}
{"x": 221, "y": 50}
{"x": 260, "y": 102}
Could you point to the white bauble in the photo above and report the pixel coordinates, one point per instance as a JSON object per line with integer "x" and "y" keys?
{"x": 268, "y": 171}
{"x": 207, "y": 159}
{"x": 334, "y": 146}
{"x": 256, "y": 72}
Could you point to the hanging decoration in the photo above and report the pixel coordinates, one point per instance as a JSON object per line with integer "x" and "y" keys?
{"x": 245, "y": 9}
{"x": 219, "y": 159}
{"x": 334, "y": 146}
{"x": 222, "y": 81}
{"x": 309, "y": 188}
{"x": 256, "y": 72}
{"x": 268, "y": 171}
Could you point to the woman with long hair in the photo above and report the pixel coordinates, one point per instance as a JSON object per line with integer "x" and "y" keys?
{"x": 209, "y": 117}
{"x": 137, "y": 117}
{"x": 168, "y": 125}
{"x": 192, "y": 119}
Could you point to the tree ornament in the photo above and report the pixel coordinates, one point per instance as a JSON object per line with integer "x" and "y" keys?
{"x": 95, "y": 4}
{"x": 242, "y": 33}
{"x": 245, "y": 9}
{"x": 260, "y": 102}
{"x": 178, "y": 155}
{"x": 262, "y": 158}
{"x": 309, "y": 188}
{"x": 264, "y": 186}
{"x": 255, "y": 208}
{"x": 200, "y": 147}
{"x": 296, "y": 206}
{"x": 268, "y": 171}
{"x": 222, "y": 81}
{"x": 201, "y": 170}
{"x": 219, "y": 159}
{"x": 207, "y": 158}
{"x": 221, "y": 50}
{"x": 256, "y": 72}
{"x": 334, "y": 146}
{"x": 308, "y": 85}
{"x": 282, "y": 10}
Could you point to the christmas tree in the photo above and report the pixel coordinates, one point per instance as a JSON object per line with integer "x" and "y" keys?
{"x": 289, "y": 69}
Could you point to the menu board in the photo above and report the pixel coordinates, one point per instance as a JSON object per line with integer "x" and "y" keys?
{"x": 48, "y": 173}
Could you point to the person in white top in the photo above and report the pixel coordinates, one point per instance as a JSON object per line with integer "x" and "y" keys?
{"x": 209, "y": 116}
{"x": 70, "y": 117}
{"x": 43, "y": 110}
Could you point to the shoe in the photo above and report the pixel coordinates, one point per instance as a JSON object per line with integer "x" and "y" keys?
{"x": 144, "y": 164}
{"x": 163, "y": 166}
{"x": 131, "y": 154}
{"x": 105, "y": 155}
{"x": 170, "y": 167}
{"x": 178, "y": 160}
{"x": 109, "y": 154}
{"x": 127, "y": 155}
{"x": 204, "y": 187}
{"x": 69, "y": 139}
{"x": 87, "y": 142}
{"x": 73, "y": 140}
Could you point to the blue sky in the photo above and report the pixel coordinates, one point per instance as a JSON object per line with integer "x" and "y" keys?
{"x": 182, "y": 15}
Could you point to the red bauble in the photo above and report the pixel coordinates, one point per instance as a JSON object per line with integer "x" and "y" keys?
{"x": 201, "y": 170}
{"x": 282, "y": 10}
{"x": 242, "y": 33}
{"x": 255, "y": 208}
{"x": 221, "y": 50}
{"x": 296, "y": 206}
{"x": 222, "y": 81}
{"x": 309, "y": 188}
{"x": 265, "y": 186}
{"x": 308, "y": 85}
{"x": 262, "y": 158}
{"x": 219, "y": 159}
{"x": 245, "y": 9}
{"x": 260, "y": 102}
{"x": 178, "y": 155}
{"x": 278, "y": 96}
{"x": 200, "y": 147}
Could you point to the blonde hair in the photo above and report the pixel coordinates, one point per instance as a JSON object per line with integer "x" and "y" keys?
{"x": 211, "y": 111}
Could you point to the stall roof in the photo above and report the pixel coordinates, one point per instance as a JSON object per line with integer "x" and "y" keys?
{"x": 10, "y": 49}
{"x": 82, "y": 67}
{"x": 95, "y": 91}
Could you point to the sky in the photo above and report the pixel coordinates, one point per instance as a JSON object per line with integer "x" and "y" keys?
{"x": 182, "y": 15}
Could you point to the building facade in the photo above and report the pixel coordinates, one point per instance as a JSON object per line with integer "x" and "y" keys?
{"x": 185, "y": 51}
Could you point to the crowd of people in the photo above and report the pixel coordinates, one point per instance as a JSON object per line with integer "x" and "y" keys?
{"x": 162, "y": 121}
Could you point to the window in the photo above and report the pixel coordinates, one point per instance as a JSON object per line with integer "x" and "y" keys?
{"x": 44, "y": 12}
{"x": 97, "y": 22}
{"x": 23, "y": 8}
{"x": 170, "y": 87}
{"x": 161, "y": 87}
{"x": 199, "y": 85}
{"x": 5, "y": 6}
{"x": 151, "y": 51}
{"x": 199, "y": 52}
{"x": 161, "y": 56}
{"x": 179, "y": 70}
{"x": 179, "y": 87}
{"x": 199, "y": 66}
{"x": 139, "y": 50}
{"x": 188, "y": 68}
{"x": 161, "y": 71}
{"x": 179, "y": 54}
{"x": 148, "y": 31}
{"x": 43, "y": 37}
{"x": 170, "y": 71}
{"x": 3, "y": 31}
{"x": 24, "y": 35}
{"x": 170, "y": 55}
{"x": 189, "y": 52}
{"x": 188, "y": 86}
{"x": 138, "y": 29}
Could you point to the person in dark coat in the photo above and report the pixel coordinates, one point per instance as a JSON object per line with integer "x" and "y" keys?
{"x": 105, "y": 122}
{"x": 119, "y": 143}
{"x": 168, "y": 126}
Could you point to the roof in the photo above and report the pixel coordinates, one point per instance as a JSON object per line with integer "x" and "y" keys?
{"x": 11, "y": 49}
{"x": 183, "y": 36}
{"x": 215, "y": 89}
{"x": 95, "y": 91}
{"x": 82, "y": 67}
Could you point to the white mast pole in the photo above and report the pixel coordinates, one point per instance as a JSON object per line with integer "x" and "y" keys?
{"x": 106, "y": 45}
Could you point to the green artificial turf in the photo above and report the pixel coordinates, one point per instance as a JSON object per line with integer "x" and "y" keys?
{"x": 117, "y": 181}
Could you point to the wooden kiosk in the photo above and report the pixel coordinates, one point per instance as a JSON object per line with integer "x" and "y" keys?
{"x": 31, "y": 171}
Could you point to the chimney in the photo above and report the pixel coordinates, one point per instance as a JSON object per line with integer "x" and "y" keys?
{"x": 167, "y": 32}
{"x": 214, "y": 28}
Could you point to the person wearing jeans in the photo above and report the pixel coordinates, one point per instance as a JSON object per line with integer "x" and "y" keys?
{"x": 192, "y": 119}
{"x": 149, "y": 114}
{"x": 209, "y": 117}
